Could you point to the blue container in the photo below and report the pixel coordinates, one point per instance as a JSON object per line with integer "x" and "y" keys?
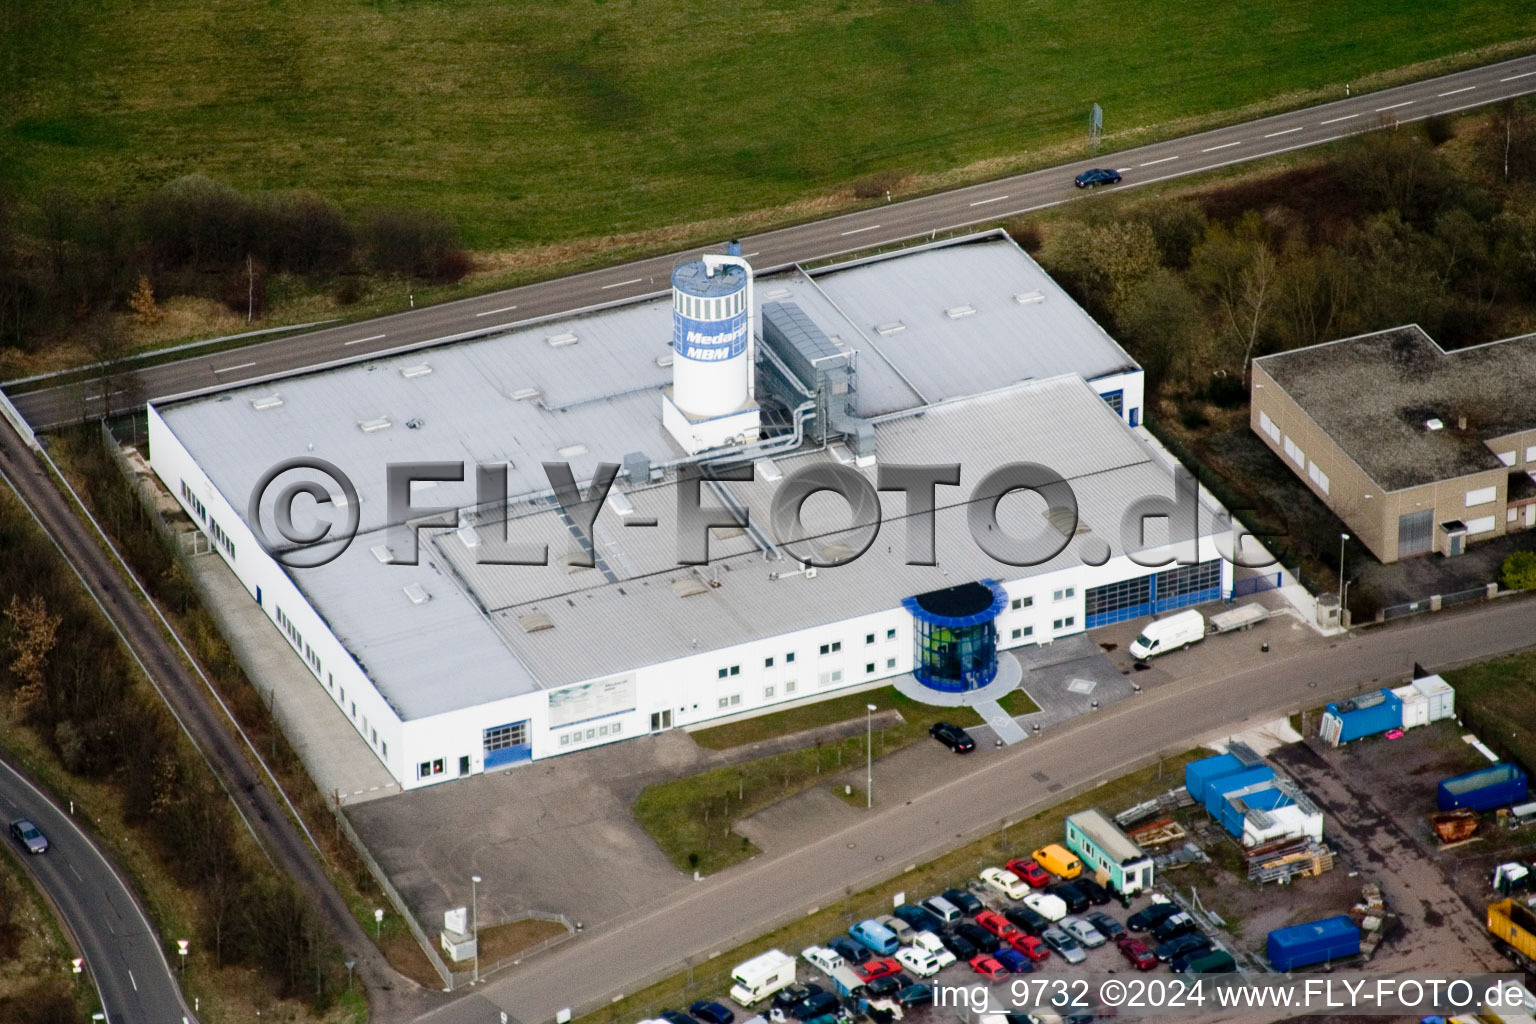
{"x": 1498, "y": 785}
{"x": 1367, "y": 721}
{"x": 1231, "y": 817}
{"x": 1329, "y": 939}
{"x": 1199, "y": 774}
{"x": 1216, "y": 792}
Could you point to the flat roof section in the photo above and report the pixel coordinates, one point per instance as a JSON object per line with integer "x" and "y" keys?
{"x": 1107, "y": 835}
{"x": 1377, "y": 394}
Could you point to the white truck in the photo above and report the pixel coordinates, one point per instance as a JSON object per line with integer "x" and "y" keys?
{"x": 762, "y": 976}
{"x": 1173, "y": 633}
{"x": 1244, "y": 616}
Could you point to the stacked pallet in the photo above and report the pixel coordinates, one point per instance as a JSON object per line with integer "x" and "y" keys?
{"x": 1282, "y": 862}
{"x": 1158, "y": 833}
{"x": 1371, "y": 915}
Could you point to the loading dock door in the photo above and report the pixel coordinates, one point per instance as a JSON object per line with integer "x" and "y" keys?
{"x": 507, "y": 744}
{"x": 1415, "y": 533}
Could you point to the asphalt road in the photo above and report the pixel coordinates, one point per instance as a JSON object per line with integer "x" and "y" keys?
{"x": 121, "y": 950}
{"x": 724, "y": 910}
{"x": 880, "y": 225}
{"x": 201, "y": 716}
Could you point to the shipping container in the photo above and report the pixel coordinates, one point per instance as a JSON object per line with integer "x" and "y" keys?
{"x": 1365, "y": 715}
{"x": 1217, "y": 790}
{"x": 1442, "y": 699}
{"x": 1198, "y": 775}
{"x": 1236, "y": 805}
{"x": 1415, "y": 706}
{"x": 1332, "y": 938}
{"x": 1498, "y": 785}
{"x": 1514, "y": 925}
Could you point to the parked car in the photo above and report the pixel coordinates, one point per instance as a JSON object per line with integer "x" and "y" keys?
{"x": 1082, "y": 931}
{"x": 1071, "y": 895}
{"x": 1211, "y": 961}
{"x": 1027, "y": 918}
{"x": 1136, "y": 951}
{"x": 877, "y": 969}
{"x": 899, "y": 928}
{"x": 886, "y": 986}
{"x": 1016, "y": 961}
{"x": 959, "y": 945}
{"x": 920, "y": 919}
{"x": 1047, "y": 906}
{"x": 979, "y": 937}
{"x": 1030, "y": 870}
{"x": 942, "y": 909}
{"x": 823, "y": 959}
{"x": 711, "y": 1012}
{"x": 1058, "y": 860}
{"x": 1005, "y": 882}
{"x": 1150, "y": 917}
{"x": 915, "y": 995}
{"x": 793, "y": 993}
{"x": 1096, "y": 893}
{"x": 952, "y": 736}
{"x": 997, "y": 924}
{"x": 965, "y": 900}
{"x": 676, "y": 1017}
{"x": 851, "y": 952}
{"x": 1031, "y": 946}
{"x": 815, "y": 1006}
{"x": 989, "y": 967}
{"x": 1173, "y": 927}
{"x": 1107, "y": 926}
{"x": 920, "y": 961}
{"x": 875, "y": 937}
{"x": 929, "y": 942}
{"x": 1175, "y": 947}
{"x": 1065, "y": 945}
{"x": 29, "y": 836}
{"x": 1097, "y": 176}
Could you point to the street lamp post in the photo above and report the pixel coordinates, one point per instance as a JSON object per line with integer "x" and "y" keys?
{"x": 181, "y": 952}
{"x": 474, "y": 917}
{"x": 1343, "y": 539}
{"x": 869, "y": 756}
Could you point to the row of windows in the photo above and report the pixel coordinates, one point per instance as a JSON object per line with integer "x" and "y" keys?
{"x": 1318, "y": 477}
{"x": 220, "y": 537}
{"x": 1268, "y": 426}
{"x": 340, "y": 693}
{"x": 1188, "y": 579}
{"x": 1066, "y": 622}
{"x": 1019, "y": 603}
{"x": 1294, "y": 451}
{"x": 830, "y": 647}
{"x": 299, "y": 644}
{"x": 712, "y": 309}
{"x": 503, "y": 736}
{"x": 591, "y": 732}
{"x": 1020, "y": 632}
{"x": 191, "y": 499}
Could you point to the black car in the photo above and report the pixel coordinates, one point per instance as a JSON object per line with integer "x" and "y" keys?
{"x": 978, "y": 936}
{"x": 1182, "y": 945}
{"x": 676, "y": 1017}
{"x": 1097, "y": 176}
{"x": 952, "y": 736}
{"x": 1151, "y": 917}
{"x": 965, "y": 900}
{"x": 918, "y": 918}
{"x": 959, "y": 945}
{"x": 795, "y": 992}
{"x": 1107, "y": 926}
{"x": 1071, "y": 895}
{"x": 1096, "y": 893}
{"x": 915, "y": 995}
{"x": 815, "y": 1006}
{"x": 711, "y": 1012}
{"x": 1027, "y": 918}
{"x": 887, "y": 986}
{"x": 1173, "y": 927}
{"x": 848, "y": 949}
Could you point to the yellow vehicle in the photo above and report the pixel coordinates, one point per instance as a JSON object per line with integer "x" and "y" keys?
{"x": 1513, "y": 928}
{"x": 1058, "y": 860}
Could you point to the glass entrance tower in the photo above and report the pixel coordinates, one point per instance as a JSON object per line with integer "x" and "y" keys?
{"x": 954, "y": 635}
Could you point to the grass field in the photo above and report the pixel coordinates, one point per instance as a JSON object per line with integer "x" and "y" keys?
{"x": 1498, "y": 700}
{"x": 551, "y": 120}
{"x": 830, "y": 712}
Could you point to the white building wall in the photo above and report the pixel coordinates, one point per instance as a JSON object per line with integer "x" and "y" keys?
{"x": 1131, "y": 385}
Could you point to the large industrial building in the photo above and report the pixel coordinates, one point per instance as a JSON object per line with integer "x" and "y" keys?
{"x": 961, "y": 352}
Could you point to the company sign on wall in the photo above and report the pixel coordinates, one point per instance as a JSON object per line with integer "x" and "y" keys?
{"x": 596, "y": 699}
{"x": 709, "y": 341}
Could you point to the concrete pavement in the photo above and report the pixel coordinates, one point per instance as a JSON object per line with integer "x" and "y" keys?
{"x": 876, "y": 226}
{"x": 712, "y": 916}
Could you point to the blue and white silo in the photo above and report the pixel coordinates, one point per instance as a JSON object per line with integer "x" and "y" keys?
{"x": 711, "y": 337}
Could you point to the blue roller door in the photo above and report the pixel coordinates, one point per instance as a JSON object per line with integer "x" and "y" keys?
{"x": 1179, "y": 587}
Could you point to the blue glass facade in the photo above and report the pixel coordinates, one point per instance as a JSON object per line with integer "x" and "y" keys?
{"x": 1164, "y": 591}
{"x": 954, "y": 635}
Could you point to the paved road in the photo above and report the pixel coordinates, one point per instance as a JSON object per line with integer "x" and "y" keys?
{"x": 123, "y": 954}
{"x": 201, "y": 717}
{"x": 869, "y": 228}
{"x": 716, "y": 914}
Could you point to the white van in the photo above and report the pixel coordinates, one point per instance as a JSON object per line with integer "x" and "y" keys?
{"x": 762, "y": 976}
{"x": 929, "y": 943}
{"x": 1173, "y": 633}
{"x": 918, "y": 961}
{"x": 823, "y": 959}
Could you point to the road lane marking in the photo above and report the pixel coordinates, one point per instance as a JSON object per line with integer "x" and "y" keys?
{"x": 228, "y": 369}
{"x": 621, "y": 284}
{"x": 750, "y": 255}
{"x": 984, "y": 202}
{"x": 493, "y": 312}
{"x": 1121, "y": 170}
{"x": 1163, "y": 160}
{"x": 1288, "y": 131}
{"x": 135, "y": 983}
{"x": 1394, "y": 106}
{"x": 75, "y": 873}
{"x": 1224, "y": 145}
{"x": 1336, "y": 120}
{"x": 857, "y": 230}
{"x": 1453, "y": 92}
{"x": 359, "y": 341}
{"x": 1523, "y": 74}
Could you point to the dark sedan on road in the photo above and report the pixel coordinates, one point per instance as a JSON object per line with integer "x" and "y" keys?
{"x": 952, "y": 736}
{"x": 1097, "y": 176}
{"x": 29, "y": 836}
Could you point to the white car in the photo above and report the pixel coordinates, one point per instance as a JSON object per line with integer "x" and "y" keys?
{"x": 919, "y": 961}
{"x": 1083, "y": 932}
{"x": 1052, "y": 908}
{"x": 1006, "y": 882}
{"x": 929, "y": 943}
{"x": 824, "y": 960}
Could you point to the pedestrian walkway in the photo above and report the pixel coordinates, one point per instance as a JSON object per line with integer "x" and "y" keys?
{"x": 1009, "y": 674}
{"x": 1002, "y": 723}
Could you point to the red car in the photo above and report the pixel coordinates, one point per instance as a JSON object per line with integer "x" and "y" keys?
{"x": 1030, "y": 871}
{"x": 1029, "y": 946}
{"x": 872, "y": 969}
{"x": 1136, "y": 952}
{"x": 997, "y": 924}
{"x": 989, "y": 967}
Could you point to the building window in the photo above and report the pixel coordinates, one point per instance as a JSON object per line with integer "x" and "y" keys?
{"x": 424, "y": 770}
{"x": 1064, "y": 594}
{"x": 767, "y": 693}
{"x": 565, "y": 739}
{"x": 1481, "y": 496}
{"x": 375, "y": 734}
{"x": 384, "y": 747}
{"x": 735, "y": 670}
{"x": 890, "y": 634}
{"x": 1268, "y": 426}
{"x": 722, "y": 673}
{"x": 616, "y": 727}
{"x": 869, "y": 638}
{"x": 832, "y": 648}
{"x": 503, "y": 736}
{"x": 767, "y": 663}
{"x": 832, "y": 678}
{"x": 890, "y": 662}
{"x": 1017, "y": 634}
{"x": 789, "y": 658}
{"x": 1294, "y": 451}
{"x": 789, "y": 687}
{"x": 1318, "y": 477}
{"x": 725, "y": 702}
{"x": 354, "y": 711}
{"x": 869, "y": 668}
{"x": 1019, "y": 603}
{"x": 602, "y": 730}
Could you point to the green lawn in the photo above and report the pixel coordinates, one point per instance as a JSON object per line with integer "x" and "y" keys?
{"x": 830, "y": 712}
{"x": 548, "y": 120}
{"x": 1498, "y": 700}
{"x": 1017, "y": 702}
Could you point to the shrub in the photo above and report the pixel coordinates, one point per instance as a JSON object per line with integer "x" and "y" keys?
{"x": 1193, "y": 417}
{"x": 409, "y": 242}
{"x": 1519, "y": 571}
{"x": 1439, "y": 129}
{"x": 876, "y": 185}
{"x": 1226, "y": 391}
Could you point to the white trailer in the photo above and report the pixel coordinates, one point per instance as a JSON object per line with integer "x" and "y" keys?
{"x": 1242, "y": 617}
{"x": 762, "y": 976}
